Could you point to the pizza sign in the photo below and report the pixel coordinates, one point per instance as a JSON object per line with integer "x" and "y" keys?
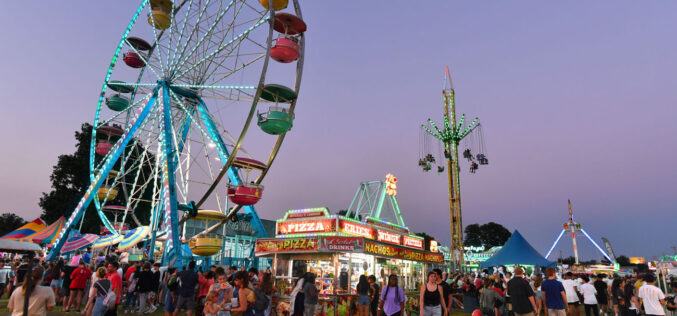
{"x": 296, "y": 227}
{"x": 412, "y": 242}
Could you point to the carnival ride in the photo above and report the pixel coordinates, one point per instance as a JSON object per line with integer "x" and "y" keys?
{"x": 171, "y": 119}
{"x": 447, "y": 140}
{"x": 573, "y": 227}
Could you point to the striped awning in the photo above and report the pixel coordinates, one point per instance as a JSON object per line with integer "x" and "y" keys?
{"x": 25, "y": 230}
{"x": 47, "y": 235}
{"x": 133, "y": 237}
{"x": 79, "y": 242}
{"x": 108, "y": 240}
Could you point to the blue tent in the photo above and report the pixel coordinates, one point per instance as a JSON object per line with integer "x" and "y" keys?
{"x": 517, "y": 251}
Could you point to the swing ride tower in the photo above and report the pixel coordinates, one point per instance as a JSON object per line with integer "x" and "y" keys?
{"x": 449, "y": 137}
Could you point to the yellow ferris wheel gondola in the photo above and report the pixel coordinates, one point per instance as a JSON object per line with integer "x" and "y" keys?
{"x": 207, "y": 245}
{"x": 160, "y": 16}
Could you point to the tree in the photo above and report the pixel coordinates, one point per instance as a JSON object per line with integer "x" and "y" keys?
{"x": 426, "y": 239}
{"x": 70, "y": 179}
{"x": 10, "y": 222}
{"x": 623, "y": 260}
{"x": 488, "y": 235}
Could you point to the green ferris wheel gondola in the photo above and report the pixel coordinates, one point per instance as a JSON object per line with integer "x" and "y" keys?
{"x": 278, "y": 120}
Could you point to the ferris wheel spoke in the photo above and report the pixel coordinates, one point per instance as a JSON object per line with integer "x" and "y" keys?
{"x": 183, "y": 28}
{"x": 231, "y": 72}
{"x": 239, "y": 39}
{"x": 192, "y": 32}
{"x": 144, "y": 59}
{"x": 114, "y": 117}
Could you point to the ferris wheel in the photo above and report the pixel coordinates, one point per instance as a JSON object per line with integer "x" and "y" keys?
{"x": 174, "y": 114}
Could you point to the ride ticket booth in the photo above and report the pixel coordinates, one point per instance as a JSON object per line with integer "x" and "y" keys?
{"x": 338, "y": 249}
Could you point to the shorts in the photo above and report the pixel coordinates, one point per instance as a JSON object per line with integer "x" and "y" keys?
{"x": 363, "y": 300}
{"x": 64, "y": 292}
{"x": 55, "y": 284}
{"x": 557, "y": 312}
{"x": 169, "y": 304}
{"x": 432, "y": 310}
{"x": 187, "y": 303}
{"x": 576, "y": 303}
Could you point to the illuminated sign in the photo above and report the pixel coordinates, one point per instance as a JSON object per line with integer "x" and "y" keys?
{"x": 386, "y": 225}
{"x": 412, "y": 242}
{"x": 343, "y": 244}
{"x": 637, "y": 260}
{"x": 288, "y": 245}
{"x": 388, "y": 237}
{"x": 474, "y": 248}
{"x": 433, "y": 246}
{"x": 391, "y": 185}
{"x": 401, "y": 253}
{"x": 357, "y": 229}
{"x": 305, "y": 214}
{"x": 318, "y": 226}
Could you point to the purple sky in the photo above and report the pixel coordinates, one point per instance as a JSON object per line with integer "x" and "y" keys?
{"x": 576, "y": 99}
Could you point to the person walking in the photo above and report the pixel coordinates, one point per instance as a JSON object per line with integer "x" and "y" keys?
{"x": 602, "y": 295}
{"x": 589, "y": 296}
{"x": 311, "y": 295}
{"x": 79, "y": 278}
{"x": 373, "y": 295}
{"x": 41, "y": 298}
{"x": 99, "y": 290}
{"x": 363, "y": 302}
{"x": 488, "y": 299}
{"x": 116, "y": 286}
{"x": 571, "y": 290}
{"x": 392, "y": 298}
{"x": 554, "y": 295}
{"x": 651, "y": 297}
{"x": 521, "y": 295}
{"x": 431, "y": 301}
{"x": 188, "y": 281}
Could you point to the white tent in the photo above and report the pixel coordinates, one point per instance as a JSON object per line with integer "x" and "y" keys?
{"x": 7, "y": 245}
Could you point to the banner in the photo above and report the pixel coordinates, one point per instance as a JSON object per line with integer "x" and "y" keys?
{"x": 352, "y": 228}
{"x": 297, "y": 227}
{"x": 610, "y": 250}
{"x": 342, "y": 244}
{"x": 286, "y": 245}
{"x": 401, "y": 253}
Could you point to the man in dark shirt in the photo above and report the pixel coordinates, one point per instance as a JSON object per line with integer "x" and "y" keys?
{"x": 187, "y": 283}
{"x": 601, "y": 296}
{"x": 446, "y": 288}
{"x": 521, "y": 295}
{"x": 554, "y": 295}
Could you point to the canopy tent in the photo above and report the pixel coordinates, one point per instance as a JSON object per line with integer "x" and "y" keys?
{"x": 7, "y": 245}
{"x": 47, "y": 235}
{"x": 25, "y": 230}
{"x": 517, "y": 251}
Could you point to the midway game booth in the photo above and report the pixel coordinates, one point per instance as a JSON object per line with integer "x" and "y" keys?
{"x": 338, "y": 249}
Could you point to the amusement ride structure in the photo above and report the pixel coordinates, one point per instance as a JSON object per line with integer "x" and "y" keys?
{"x": 177, "y": 101}
{"x": 573, "y": 227}
{"x": 449, "y": 137}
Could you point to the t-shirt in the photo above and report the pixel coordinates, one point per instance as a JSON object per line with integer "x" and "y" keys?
{"x": 553, "y": 297}
{"x": 391, "y": 304}
{"x": 446, "y": 291}
{"x": 79, "y": 277}
{"x": 310, "y": 292}
{"x": 187, "y": 282}
{"x": 116, "y": 282}
{"x": 588, "y": 291}
{"x": 129, "y": 272}
{"x": 569, "y": 285}
{"x": 102, "y": 287}
{"x": 601, "y": 287}
{"x": 67, "y": 270}
{"x": 41, "y": 297}
{"x": 520, "y": 290}
{"x": 4, "y": 273}
{"x": 651, "y": 296}
{"x": 20, "y": 273}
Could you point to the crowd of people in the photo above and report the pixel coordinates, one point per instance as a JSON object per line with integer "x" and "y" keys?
{"x": 101, "y": 285}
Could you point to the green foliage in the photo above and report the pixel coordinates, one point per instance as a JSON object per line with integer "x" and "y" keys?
{"x": 490, "y": 235}
{"x": 70, "y": 179}
{"x": 427, "y": 238}
{"x": 623, "y": 260}
{"x": 10, "y": 222}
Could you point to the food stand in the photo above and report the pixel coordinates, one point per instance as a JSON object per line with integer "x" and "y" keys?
{"x": 338, "y": 249}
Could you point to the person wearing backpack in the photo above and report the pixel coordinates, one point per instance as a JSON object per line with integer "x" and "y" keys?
{"x": 99, "y": 292}
{"x": 262, "y": 301}
{"x": 116, "y": 287}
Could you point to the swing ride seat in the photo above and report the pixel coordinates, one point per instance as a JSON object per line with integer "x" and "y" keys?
{"x": 277, "y": 121}
{"x": 109, "y": 131}
{"x": 248, "y": 163}
{"x": 245, "y": 194}
{"x": 277, "y": 4}
{"x": 117, "y": 102}
{"x": 103, "y": 147}
{"x": 107, "y": 191}
{"x": 120, "y": 86}
{"x": 138, "y": 43}
{"x": 278, "y": 93}
{"x": 132, "y": 59}
{"x": 289, "y": 24}
{"x": 285, "y": 50}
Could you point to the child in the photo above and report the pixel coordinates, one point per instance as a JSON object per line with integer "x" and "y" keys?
{"x": 210, "y": 304}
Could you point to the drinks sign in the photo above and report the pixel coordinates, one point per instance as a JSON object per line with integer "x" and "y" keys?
{"x": 296, "y": 227}
{"x": 388, "y": 237}
{"x": 356, "y": 229}
{"x": 342, "y": 244}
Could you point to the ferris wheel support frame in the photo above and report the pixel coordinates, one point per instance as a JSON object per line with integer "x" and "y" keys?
{"x": 87, "y": 198}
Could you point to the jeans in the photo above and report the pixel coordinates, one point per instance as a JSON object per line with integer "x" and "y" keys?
{"x": 435, "y": 310}
{"x": 143, "y": 306}
{"x": 130, "y": 302}
{"x": 593, "y": 307}
{"x": 99, "y": 309}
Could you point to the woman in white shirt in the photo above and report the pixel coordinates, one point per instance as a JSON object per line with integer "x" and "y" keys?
{"x": 589, "y": 299}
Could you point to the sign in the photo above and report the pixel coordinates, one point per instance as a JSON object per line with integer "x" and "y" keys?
{"x": 356, "y": 229}
{"x": 391, "y": 185}
{"x": 433, "y": 246}
{"x": 342, "y": 244}
{"x": 401, "y": 253}
{"x": 296, "y": 227}
{"x": 637, "y": 260}
{"x": 286, "y": 245}
{"x": 386, "y": 225}
{"x": 305, "y": 214}
{"x": 388, "y": 237}
{"x": 412, "y": 242}
{"x": 474, "y": 248}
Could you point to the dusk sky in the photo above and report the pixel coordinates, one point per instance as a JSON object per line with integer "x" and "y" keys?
{"x": 577, "y": 101}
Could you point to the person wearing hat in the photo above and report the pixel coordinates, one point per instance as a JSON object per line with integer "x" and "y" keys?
{"x": 651, "y": 296}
